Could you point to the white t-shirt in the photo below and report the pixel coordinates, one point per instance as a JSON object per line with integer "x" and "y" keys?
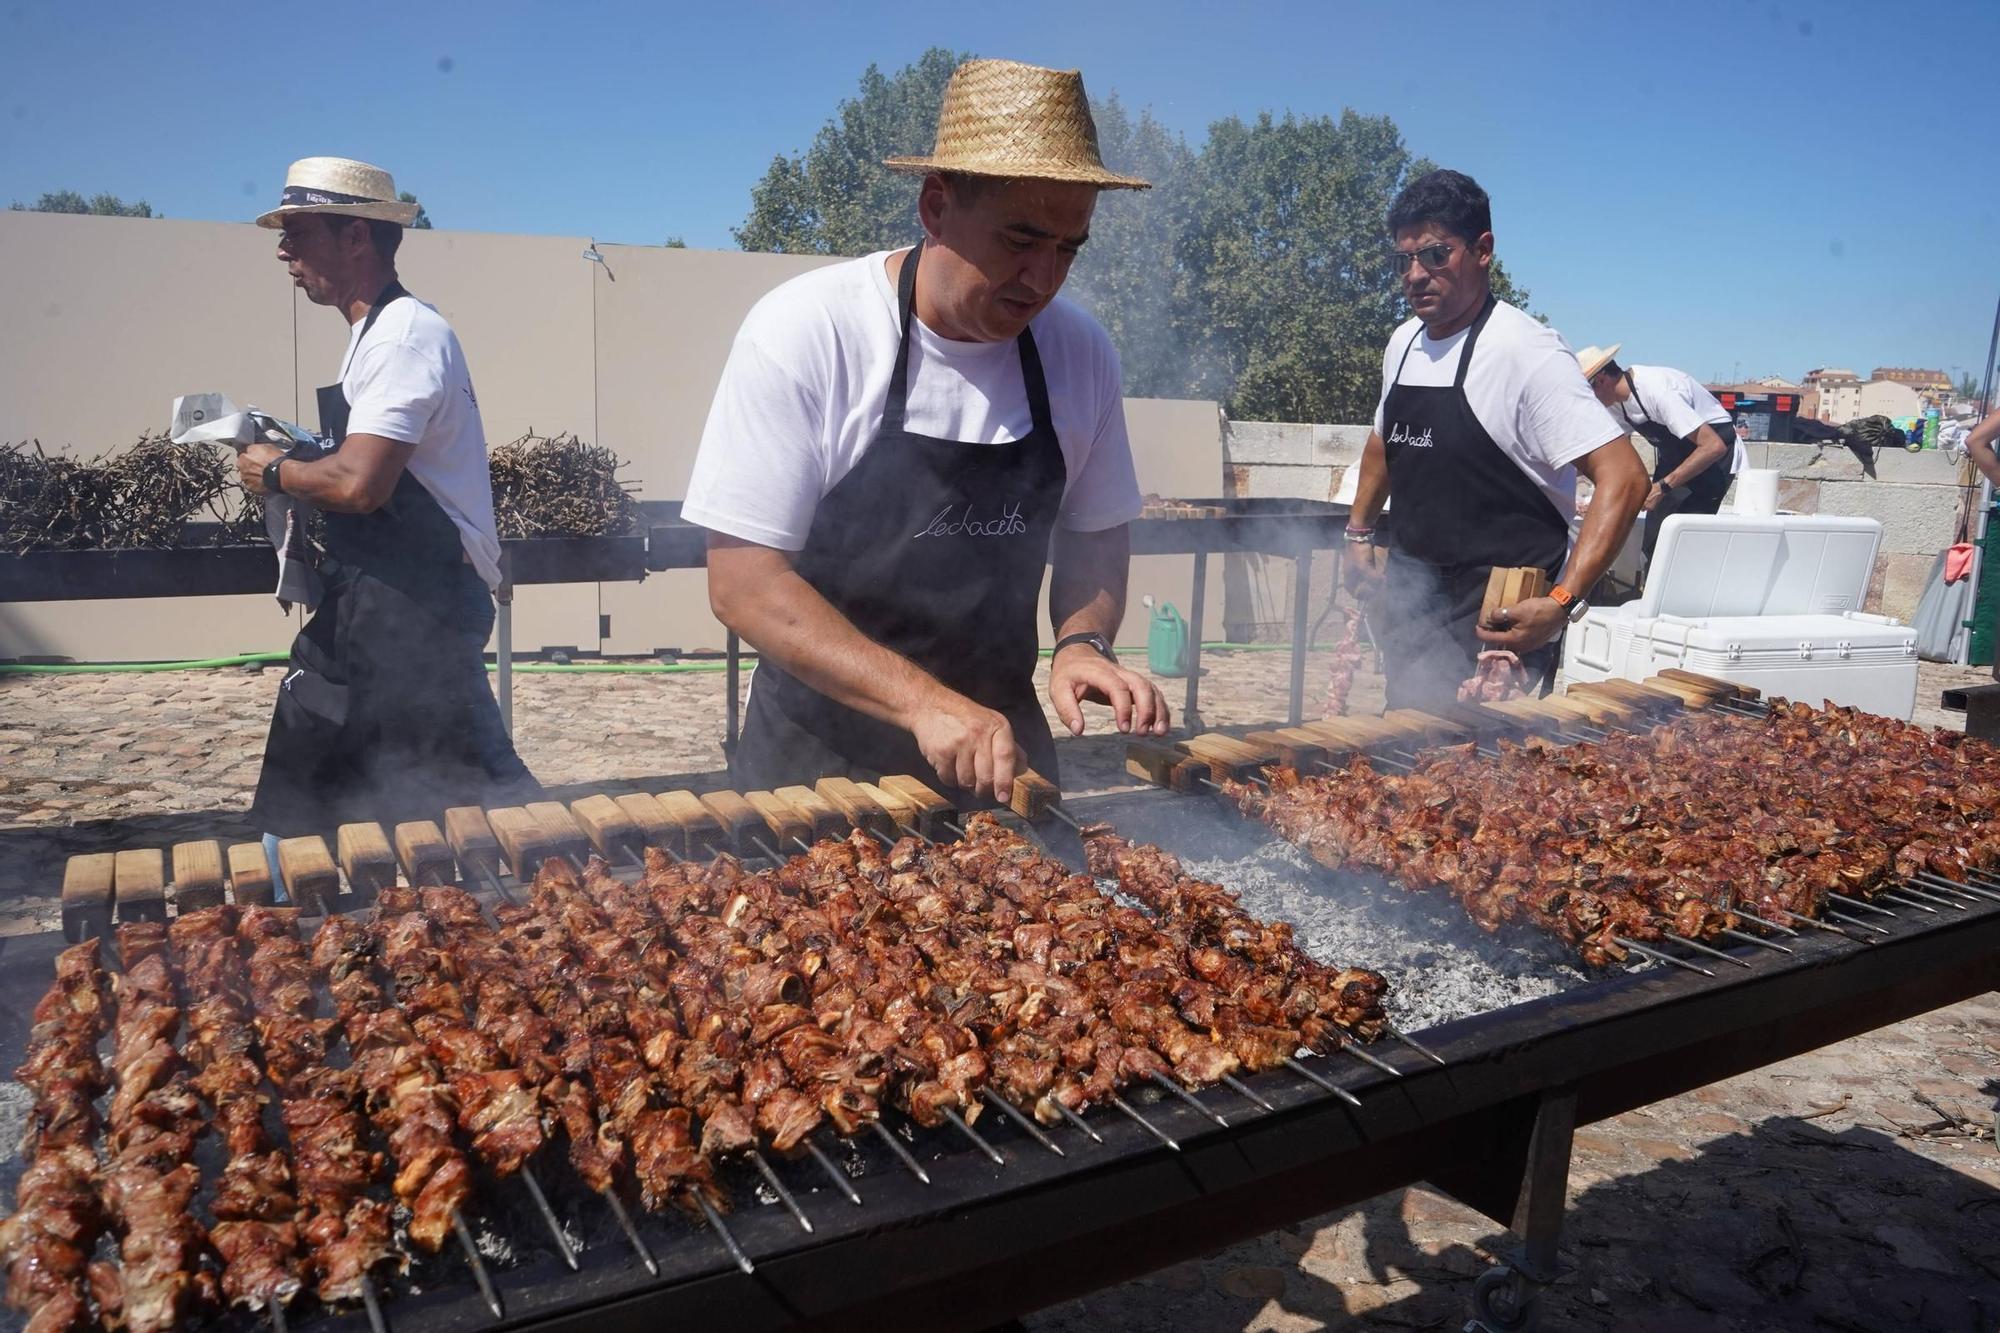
{"x": 1679, "y": 401}
{"x": 1523, "y": 386}
{"x": 408, "y": 381}
{"x": 802, "y": 396}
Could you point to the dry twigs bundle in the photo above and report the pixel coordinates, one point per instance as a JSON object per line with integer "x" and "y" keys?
{"x": 559, "y": 486}
{"x": 143, "y": 496}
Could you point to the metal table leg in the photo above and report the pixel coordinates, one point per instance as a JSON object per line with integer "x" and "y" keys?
{"x": 503, "y": 654}
{"x": 733, "y": 676}
{"x": 1301, "y": 607}
{"x": 1197, "y": 602}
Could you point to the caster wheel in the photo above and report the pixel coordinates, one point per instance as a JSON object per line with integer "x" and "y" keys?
{"x": 1504, "y": 1302}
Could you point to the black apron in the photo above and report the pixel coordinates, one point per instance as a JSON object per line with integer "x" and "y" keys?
{"x": 935, "y": 550}
{"x": 1703, "y": 493}
{"x": 384, "y": 712}
{"x": 1462, "y": 506}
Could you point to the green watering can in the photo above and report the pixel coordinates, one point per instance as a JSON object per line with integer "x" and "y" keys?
{"x": 1166, "y": 640}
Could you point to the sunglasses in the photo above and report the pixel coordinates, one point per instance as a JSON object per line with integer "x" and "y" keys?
{"x": 1432, "y": 257}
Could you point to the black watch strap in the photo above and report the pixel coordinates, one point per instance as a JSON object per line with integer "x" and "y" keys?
{"x": 271, "y": 482}
{"x": 1091, "y": 637}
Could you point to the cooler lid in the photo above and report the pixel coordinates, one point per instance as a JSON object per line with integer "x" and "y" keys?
{"x": 1734, "y": 565}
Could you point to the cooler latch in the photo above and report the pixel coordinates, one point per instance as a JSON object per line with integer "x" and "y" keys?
{"x": 1806, "y": 649}
{"x": 1846, "y": 649}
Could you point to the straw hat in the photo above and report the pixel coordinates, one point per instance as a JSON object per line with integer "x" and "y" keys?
{"x": 1591, "y": 359}
{"x": 339, "y": 185}
{"x": 1020, "y": 122}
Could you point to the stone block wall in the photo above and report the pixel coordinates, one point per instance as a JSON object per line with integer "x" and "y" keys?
{"x": 1917, "y": 498}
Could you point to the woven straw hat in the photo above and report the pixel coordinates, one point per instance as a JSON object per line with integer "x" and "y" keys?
{"x": 1019, "y": 122}
{"x": 339, "y": 185}
{"x": 1592, "y": 359}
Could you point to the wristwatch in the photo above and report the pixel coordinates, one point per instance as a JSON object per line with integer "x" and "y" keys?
{"x": 271, "y": 482}
{"x": 1573, "y": 606}
{"x": 1094, "y": 639}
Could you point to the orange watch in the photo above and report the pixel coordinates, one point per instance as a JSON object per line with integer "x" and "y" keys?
{"x": 1561, "y": 596}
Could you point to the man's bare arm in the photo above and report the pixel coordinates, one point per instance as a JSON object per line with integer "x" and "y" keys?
{"x": 1618, "y": 481}
{"x": 357, "y": 478}
{"x": 1708, "y": 449}
{"x": 1371, "y": 491}
{"x": 1979, "y": 447}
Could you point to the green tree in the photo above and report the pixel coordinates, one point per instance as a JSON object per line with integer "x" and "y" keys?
{"x": 101, "y": 205}
{"x": 422, "y": 222}
{"x": 837, "y": 198}
{"x": 676, "y": 243}
{"x": 1968, "y": 387}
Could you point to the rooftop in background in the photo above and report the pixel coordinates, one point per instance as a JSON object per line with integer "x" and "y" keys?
{"x": 1916, "y": 379}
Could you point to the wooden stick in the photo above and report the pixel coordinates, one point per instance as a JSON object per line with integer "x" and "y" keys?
{"x": 826, "y": 819}
{"x": 89, "y": 889}
{"x": 609, "y": 827}
{"x": 783, "y": 819}
{"x": 933, "y": 810}
{"x": 250, "y": 875}
{"x": 198, "y": 875}
{"x": 424, "y": 854}
{"x": 655, "y": 829}
{"x": 141, "y": 890}
{"x": 1033, "y": 794}
{"x": 736, "y": 817}
{"x": 701, "y": 834}
{"x": 366, "y": 858}
{"x": 855, "y": 806}
{"x": 566, "y": 837}
{"x": 310, "y": 874}
{"x": 523, "y": 839}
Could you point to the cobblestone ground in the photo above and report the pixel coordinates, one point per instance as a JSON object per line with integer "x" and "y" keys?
{"x": 1855, "y": 1188}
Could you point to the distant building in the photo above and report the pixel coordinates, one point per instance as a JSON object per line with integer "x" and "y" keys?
{"x": 1765, "y": 409}
{"x": 1833, "y": 395}
{"x": 1923, "y": 381}
{"x": 1889, "y": 398}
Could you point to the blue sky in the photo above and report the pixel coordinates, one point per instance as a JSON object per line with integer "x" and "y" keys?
{"x": 1728, "y": 186}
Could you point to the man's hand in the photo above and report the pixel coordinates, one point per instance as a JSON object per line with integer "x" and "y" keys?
{"x": 970, "y": 746}
{"x": 250, "y": 465}
{"x": 1080, "y": 674}
{"x": 1525, "y": 626}
{"x": 1653, "y": 498}
{"x": 1364, "y": 569}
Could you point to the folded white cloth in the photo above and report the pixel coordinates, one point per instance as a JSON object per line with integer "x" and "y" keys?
{"x": 211, "y": 418}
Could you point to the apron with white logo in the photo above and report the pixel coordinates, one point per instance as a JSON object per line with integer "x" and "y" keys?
{"x": 1462, "y": 506}
{"x": 934, "y": 549}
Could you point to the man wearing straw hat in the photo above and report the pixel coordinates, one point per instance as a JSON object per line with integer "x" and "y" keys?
{"x": 901, "y": 443}
{"x": 1693, "y": 436}
{"x": 1482, "y": 430}
{"x": 384, "y": 709}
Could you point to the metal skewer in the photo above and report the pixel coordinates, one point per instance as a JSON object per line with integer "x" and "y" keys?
{"x": 631, "y": 1232}
{"x": 953, "y": 827}
{"x": 1748, "y": 938}
{"x": 1065, "y": 816}
{"x": 1658, "y": 956}
{"x": 1765, "y": 922}
{"x": 371, "y": 1299}
{"x": 1861, "y": 903}
{"x": 1144, "y": 1123}
{"x": 778, "y": 1188}
{"x": 728, "y": 1241}
{"x": 1361, "y": 1053}
{"x": 1810, "y": 924}
{"x": 479, "y": 1273}
{"x": 1854, "y": 921}
{"x": 1699, "y": 947}
{"x": 1322, "y": 1082}
{"x": 1024, "y": 1120}
{"x": 278, "y": 1324}
{"x": 903, "y": 1154}
{"x": 1900, "y": 900}
{"x": 548, "y": 1216}
{"x": 1076, "y": 1120}
{"x": 1922, "y": 896}
{"x": 1177, "y": 1090}
{"x": 834, "y": 1173}
{"x": 1413, "y": 1043}
{"x": 1245, "y": 1091}
{"x": 992, "y": 1153}
{"x": 1963, "y": 889}
{"x": 770, "y": 852}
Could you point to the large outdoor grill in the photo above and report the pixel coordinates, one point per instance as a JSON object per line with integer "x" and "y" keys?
{"x": 1481, "y": 1101}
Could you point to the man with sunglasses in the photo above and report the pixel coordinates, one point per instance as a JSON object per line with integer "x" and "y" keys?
{"x": 1693, "y": 437}
{"x": 1483, "y": 426}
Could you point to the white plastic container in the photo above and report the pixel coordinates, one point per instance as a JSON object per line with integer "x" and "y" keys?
{"x": 1769, "y": 602}
{"x": 1757, "y": 492}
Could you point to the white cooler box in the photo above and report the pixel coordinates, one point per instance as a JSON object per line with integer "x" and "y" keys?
{"x": 1855, "y": 659}
{"x": 1767, "y": 601}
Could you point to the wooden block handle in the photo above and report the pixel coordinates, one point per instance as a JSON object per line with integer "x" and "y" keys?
{"x": 786, "y": 823}
{"x": 310, "y": 874}
{"x": 523, "y": 840}
{"x": 902, "y": 811}
{"x": 366, "y": 858}
{"x": 854, "y": 805}
{"x": 1033, "y": 794}
{"x": 933, "y": 810}
{"x": 424, "y": 853}
{"x": 655, "y": 829}
{"x": 198, "y": 875}
{"x": 826, "y": 819}
{"x": 471, "y": 837}
{"x": 737, "y": 818}
{"x": 141, "y": 890}
{"x": 250, "y": 875}
{"x": 88, "y": 891}
{"x": 700, "y": 834}
{"x": 610, "y": 829}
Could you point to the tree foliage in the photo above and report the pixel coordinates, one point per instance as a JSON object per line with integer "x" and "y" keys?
{"x": 98, "y": 205}
{"x": 422, "y": 222}
{"x": 1253, "y": 272}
